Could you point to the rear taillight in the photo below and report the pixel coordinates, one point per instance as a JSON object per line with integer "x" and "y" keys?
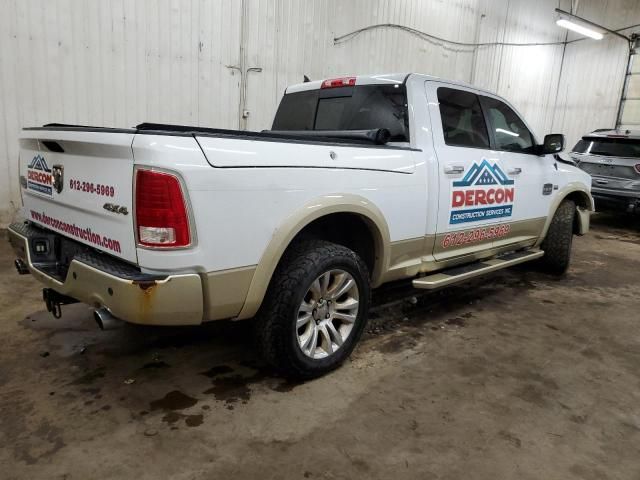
{"x": 339, "y": 82}
{"x": 161, "y": 212}
{"x": 637, "y": 167}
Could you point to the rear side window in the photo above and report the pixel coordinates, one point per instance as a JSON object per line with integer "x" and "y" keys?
{"x": 509, "y": 130}
{"x": 361, "y": 107}
{"x": 615, "y": 147}
{"x": 297, "y": 111}
{"x": 463, "y": 124}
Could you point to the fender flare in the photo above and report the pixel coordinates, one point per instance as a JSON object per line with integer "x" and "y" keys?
{"x": 297, "y": 221}
{"x": 583, "y": 213}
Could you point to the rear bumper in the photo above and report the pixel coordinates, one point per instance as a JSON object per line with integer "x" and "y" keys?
{"x": 101, "y": 281}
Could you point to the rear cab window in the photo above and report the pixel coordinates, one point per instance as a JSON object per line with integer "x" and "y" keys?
{"x": 360, "y": 107}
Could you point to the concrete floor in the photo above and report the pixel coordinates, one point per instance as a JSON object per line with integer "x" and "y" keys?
{"x": 518, "y": 375}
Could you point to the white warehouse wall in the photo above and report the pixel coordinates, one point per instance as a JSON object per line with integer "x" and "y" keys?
{"x": 122, "y": 62}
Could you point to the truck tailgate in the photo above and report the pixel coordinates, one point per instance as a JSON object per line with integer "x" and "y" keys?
{"x": 79, "y": 183}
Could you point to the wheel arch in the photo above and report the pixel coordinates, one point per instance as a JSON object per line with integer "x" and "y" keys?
{"x": 581, "y": 195}
{"x": 308, "y": 219}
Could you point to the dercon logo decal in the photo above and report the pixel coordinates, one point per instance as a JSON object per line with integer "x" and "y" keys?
{"x": 39, "y": 178}
{"x": 484, "y": 193}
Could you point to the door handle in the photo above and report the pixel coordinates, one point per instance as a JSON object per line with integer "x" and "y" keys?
{"x": 453, "y": 169}
{"x": 515, "y": 171}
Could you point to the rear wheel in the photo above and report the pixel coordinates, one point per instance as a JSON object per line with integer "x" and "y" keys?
{"x": 315, "y": 309}
{"x": 557, "y": 243}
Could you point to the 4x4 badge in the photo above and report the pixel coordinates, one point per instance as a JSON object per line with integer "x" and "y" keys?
{"x": 110, "y": 207}
{"x": 58, "y": 177}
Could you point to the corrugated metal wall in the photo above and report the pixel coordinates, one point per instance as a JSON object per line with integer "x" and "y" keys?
{"x": 121, "y": 62}
{"x": 593, "y": 72}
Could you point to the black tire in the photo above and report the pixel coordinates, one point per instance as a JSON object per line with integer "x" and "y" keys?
{"x": 557, "y": 243}
{"x": 276, "y": 332}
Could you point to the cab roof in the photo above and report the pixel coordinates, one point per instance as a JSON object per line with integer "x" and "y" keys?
{"x": 378, "y": 79}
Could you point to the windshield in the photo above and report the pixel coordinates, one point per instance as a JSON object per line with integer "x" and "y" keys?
{"x": 361, "y": 107}
{"x": 615, "y": 147}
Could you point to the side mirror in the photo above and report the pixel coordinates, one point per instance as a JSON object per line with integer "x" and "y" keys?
{"x": 553, "y": 143}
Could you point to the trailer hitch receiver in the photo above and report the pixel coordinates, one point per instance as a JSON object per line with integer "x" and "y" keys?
{"x": 54, "y": 301}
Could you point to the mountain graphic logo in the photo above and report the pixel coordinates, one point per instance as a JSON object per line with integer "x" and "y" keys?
{"x": 484, "y": 174}
{"x": 38, "y": 163}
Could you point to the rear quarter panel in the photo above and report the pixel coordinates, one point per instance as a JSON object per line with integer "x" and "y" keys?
{"x": 238, "y": 209}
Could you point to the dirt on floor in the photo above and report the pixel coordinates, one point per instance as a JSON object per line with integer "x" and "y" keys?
{"x": 517, "y": 375}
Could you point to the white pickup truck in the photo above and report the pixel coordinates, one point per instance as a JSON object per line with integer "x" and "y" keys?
{"x": 361, "y": 181}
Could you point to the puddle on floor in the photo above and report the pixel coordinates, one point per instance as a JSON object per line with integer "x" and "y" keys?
{"x": 172, "y": 401}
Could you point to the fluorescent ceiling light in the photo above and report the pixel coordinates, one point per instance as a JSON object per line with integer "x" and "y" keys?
{"x": 581, "y": 29}
{"x": 586, "y": 27}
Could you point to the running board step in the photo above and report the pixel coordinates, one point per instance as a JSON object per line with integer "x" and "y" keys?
{"x": 465, "y": 272}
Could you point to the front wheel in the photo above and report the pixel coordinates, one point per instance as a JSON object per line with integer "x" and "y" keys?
{"x": 557, "y": 243}
{"x": 315, "y": 309}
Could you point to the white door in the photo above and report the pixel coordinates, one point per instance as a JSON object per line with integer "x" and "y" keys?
{"x": 476, "y": 198}
{"x": 515, "y": 148}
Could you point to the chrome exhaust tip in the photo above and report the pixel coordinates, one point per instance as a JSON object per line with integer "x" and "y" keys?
{"x": 105, "y": 320}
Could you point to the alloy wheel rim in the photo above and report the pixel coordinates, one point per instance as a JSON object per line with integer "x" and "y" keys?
{"x": 327, "y": 314}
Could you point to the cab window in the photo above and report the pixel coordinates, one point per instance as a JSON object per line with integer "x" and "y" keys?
{"x": 509, "y": 131}
{"x": 362, "y": 107}
{"x": 463, "y": 124}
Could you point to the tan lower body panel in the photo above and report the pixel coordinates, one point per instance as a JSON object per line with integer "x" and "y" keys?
{"x": 405, "y": 257}
{"x": 519, "y": 232}
{"x": 522, "y": 232}
{"x": 226, "y": 292}
{"x": 408, "y": 258}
